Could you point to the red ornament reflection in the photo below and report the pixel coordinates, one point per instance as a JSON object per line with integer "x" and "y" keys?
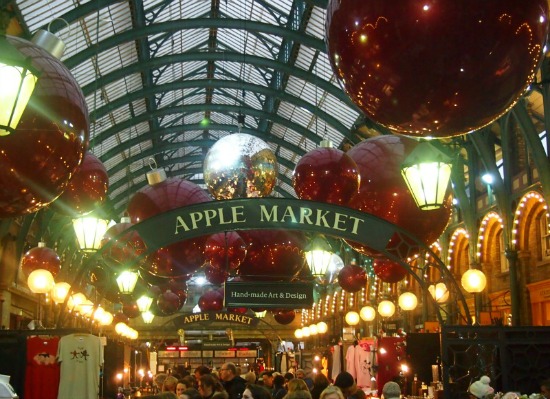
{"x": 352, "y": 278}
{"x": 86, "y": 190}
{"x": 40, "y": 257}
{"x": 125, "y": 246}
{"x": 384, "y": 193}
{"x": 237, "y": 310}
{"x": 211, "y": 301}
{"x": 417, "y": 70}
{"x": 388, "y": 271}
{"x": 225, "y": 250}
{"x": 39, "y": 158}
{"x": 168, "y": 303}
{"x": 215, "y": 275}
{"x": 326, "y": 175}
{"x": 181, "y": 258}
{"x": 284, "y": 316}
{"x": 272, "y": 255}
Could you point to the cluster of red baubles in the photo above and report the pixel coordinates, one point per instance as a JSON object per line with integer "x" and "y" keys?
{"x": 417, "y": 72}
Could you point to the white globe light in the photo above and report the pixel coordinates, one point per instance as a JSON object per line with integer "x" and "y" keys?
{"x": 408, "y": 301}
{"x": 439, "y": 292}
{"x": 473, "y": 281}
{"x": 367, "y": 313}
{"x": 306, "y": 332}
{"x": 352, "y": 318}
{"x": 386, "y": 308}
{"x": 322, "y": 327}
{"x": 313, "y": 329}
{"x": 298, "y": 333}
{"x": 107, "y": 319}
{"x": 75, "y": 301}
{"x": 60, "y": 291}
{"x": 40, "y": 281}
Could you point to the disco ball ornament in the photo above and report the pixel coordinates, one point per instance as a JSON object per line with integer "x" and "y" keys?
{"x": 388, "y": 271}
{"x": 284, "y": 316}
{"x": 352, "y": 278}
{"x": 86, "y": 190}
{"x": 225, "y": 250}
{"x": 466, "y": 62}
{"x": 125, "y": 247}
{"x": 240, "y": 165}
{"x": 164, "y": 194}
{"x": 326, "y": 174}
{"x": 39, "y": 158}
{"x": 272, "y": 255}
{"x": 211, "y": 301}
{"x": 384, "y": 193}
{"x": 40, "y": 257}
{"x": 215, "y": 275}
{"x": 168, "y": 303}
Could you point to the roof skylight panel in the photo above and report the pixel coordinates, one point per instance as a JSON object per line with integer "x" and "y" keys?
{"x": 316, "y": 24}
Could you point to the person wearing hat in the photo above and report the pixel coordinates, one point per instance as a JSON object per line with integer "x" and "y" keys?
{"x": 481, "y": 389}
{"x": 391, "y": 390}
{"x": 346, "y": 383}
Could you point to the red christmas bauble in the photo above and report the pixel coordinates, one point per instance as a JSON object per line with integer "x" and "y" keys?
{"x": 40, "y": 257}
{"x": 326, "y": 175}
{"x": 151, "y": 278}
{"x": 284, "y": 316}
{"x": 125, "y": 246}
{"x": 388, "y": 271}
{"x": 86, "y": 190}
{"x": 384, "y": 193}
{"x": 181, "y": 258}
{"x": 435, "y": 68}
{"x": 39, "y": 158}
{"x": 352, "y": 278}
{"x": 131, "y": 309}
{"x": 225, "y": 250}
{"x": 120, "y": 317}
{"x": 168, "y": 303}
{"x": 215, "y": 275}
{"x": 237, "y": 310}
{"x": 211, "y": 301}
{"x": 272, "y": 255}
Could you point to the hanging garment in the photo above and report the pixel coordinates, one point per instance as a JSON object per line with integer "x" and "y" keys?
{"x": 42, "y": 371}
{"x": 81, "y": 356}
{"x": 336, "y": 363}
{"x": 350, "y": 361}
{"x": 363, "y": 364}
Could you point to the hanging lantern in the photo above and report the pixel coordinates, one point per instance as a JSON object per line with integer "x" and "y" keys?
{"x": 367, "y": 313}
{"x": 147, "y": 317}
{"x": 144, "y": 302}
{"x": 386, "y": 308}
{"x": 260, "y": 315}
{"x": 40, "y": 281}
{"x": 318, "y": 256}
{"x": 19, "y": 78}
{"x": 439, "y": 292}
{"x": 407, "y": 301}
{"x": 427, "y": 172}
{"x": 127, "y": 281}
{"x": 89, "y": 232}
{"x": 60, "y": 291}
{"x": 322, "y": 327}
{"x": 473, "y": 281}
{"x": 352, "y": 318}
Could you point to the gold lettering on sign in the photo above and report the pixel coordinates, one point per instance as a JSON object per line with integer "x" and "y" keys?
{"x": 268, "y": 216}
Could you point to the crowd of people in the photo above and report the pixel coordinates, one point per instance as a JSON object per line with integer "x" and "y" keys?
{"x": 228, "y": 383}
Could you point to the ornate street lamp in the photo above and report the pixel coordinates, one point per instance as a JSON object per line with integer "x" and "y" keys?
{"x": 126, "y": 282}
{"x": 89, "y": 231}
{"x": 427, "y": 172}
{"x": 147, "y": 317}
{"x": 144, "y": 302}
{"x": 318, "y": 256}
{"x": 18, "y": 79}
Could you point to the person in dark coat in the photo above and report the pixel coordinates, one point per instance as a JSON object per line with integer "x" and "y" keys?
{"x": 234, "y": 384}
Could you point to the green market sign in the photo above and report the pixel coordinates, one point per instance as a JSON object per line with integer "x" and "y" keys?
{"x": 264, "y": 213}
{"x": 268, "y": 294}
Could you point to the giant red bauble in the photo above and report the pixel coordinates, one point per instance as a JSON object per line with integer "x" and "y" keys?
{"x": 352, "y": 278}
{"x": 384, "y": 193}
{"x": 168, "y": 303}
{"x": 326, "y": 175}
{"x": 86, "y": 190}
{"x": 181, "y": 258}
{"x": 125, "y": 246}
{"x": 272, "y": 255}
{"x": 130, "y": 309}
{"x": 225, "y": 250}
{"x": 39, "y": 158}
{"x": 435, "y": 68}
{"x": 40, "y": 257}
{"x": 284, "y": 316}
{"x": 215, "y": 275}
{"x": 211, "y": 301}
{"x": 388, "y": 271}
